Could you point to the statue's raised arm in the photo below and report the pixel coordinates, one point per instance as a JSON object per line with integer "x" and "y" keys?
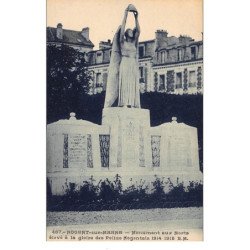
{"x": 137, "y": 29}
{"x": 122, "y": 33}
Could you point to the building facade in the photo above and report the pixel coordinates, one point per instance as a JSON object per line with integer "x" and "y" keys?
{"x": 167, "y": 64}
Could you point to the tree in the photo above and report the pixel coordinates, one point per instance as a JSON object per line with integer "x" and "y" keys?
{"x": 67, "y": 80}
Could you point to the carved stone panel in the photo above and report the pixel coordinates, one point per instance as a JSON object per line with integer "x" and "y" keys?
{"x": 65, "y": 151}
{"x": 104, "y": 150}
{"x": 89, "y": 152}
{"x": 156, "y": 148}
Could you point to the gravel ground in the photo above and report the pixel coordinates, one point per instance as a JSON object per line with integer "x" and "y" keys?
{"x": 125, "y": 216}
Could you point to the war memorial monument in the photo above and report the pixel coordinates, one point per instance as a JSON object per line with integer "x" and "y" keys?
{"x": 125, "y": 143}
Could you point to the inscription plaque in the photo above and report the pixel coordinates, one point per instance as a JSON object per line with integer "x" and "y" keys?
{"x": 76, "y": 150}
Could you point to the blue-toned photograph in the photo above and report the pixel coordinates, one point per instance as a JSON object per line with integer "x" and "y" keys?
{"x": 124, "y": 120}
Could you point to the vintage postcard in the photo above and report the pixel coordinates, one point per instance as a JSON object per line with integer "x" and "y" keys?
{"x": 124, "y": 120}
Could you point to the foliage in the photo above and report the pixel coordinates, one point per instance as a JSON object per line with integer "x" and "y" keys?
{"x": 109, "y": 195}
{"x": 195, "y": 191}
{"x": 67, "y": 79}
{"x": 88, "y": 191}
{"x": 135, "y": 193}
{"x": 107, "y": 191}
{"x": 177, "y": 192}
{"x": 158, "y": 187}
{"x": 118, "y": 184}
{"x": 70, "y": 190}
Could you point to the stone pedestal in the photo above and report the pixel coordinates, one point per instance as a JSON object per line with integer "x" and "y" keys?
{"x": 129, "y": 138}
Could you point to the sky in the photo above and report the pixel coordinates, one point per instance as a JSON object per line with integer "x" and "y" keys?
{"x": 178, "y": 17}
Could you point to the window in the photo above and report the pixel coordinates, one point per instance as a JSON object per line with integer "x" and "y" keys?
{"x": 162, "y": 83}
{"x": 193, "y": 53}
{"x": 179, "y": 54}
{"x": 178, "y": 80}
{"x": 163, "y": 56}
{"x": 98, "y": 80}
{"x": 99, "y": 57}
{"x": 142, "y": 74}
{"x": 167, "y": 55}
{"x": 192, "y": 80}
{"x": 141, "y": 51}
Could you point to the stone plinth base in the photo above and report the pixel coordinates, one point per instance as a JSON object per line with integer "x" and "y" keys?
{"x": 124, "y": 144}
{"x": 129, "y": 138}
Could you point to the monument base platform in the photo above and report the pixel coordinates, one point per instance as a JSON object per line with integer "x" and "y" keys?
{"x": 124, "y": 144}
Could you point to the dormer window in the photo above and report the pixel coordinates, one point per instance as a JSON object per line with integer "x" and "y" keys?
{"x": 99, "y": 57}
{"x": 163, "y": 56}
{"x": 193, "y": 53}
{"x": 179, "y": 54}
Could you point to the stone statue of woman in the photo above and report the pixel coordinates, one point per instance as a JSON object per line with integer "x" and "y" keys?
{"x": 123, "y": 75}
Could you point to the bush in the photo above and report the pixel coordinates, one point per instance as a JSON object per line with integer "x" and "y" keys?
{"x": 195, "y": 191}
{"x": 109, "y": 195}
{"x": 88, "y": 191}
{"x": 158, "y": 187}
{"x": 109, "y": 192}
{"x": 135, "y": 193}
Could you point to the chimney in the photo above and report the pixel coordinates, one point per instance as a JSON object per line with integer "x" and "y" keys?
{"x": 105, "y": 45}
{"x": 161, "y": 34}
{"x": 184, "y": 39}
{"x": 161, "y": 37}
{"x": 85, "y": 33}
{"x": 59, "y": 31}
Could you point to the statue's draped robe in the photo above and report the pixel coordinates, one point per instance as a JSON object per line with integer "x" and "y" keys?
{"x": 113, "y": 71}
{"x": 129, "y": 90}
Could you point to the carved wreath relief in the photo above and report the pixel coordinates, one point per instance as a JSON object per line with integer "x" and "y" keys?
{"x": 155, "y": 146}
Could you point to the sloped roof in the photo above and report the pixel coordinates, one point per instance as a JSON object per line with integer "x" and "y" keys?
{"x": 69, "y": 36}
